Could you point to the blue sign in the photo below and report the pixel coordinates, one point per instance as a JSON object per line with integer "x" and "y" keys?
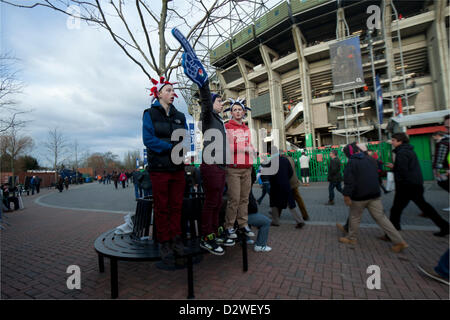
{"x": 145, "y": 156}
{"x": 192, "y": 133}
{"x": 379, "y": 98}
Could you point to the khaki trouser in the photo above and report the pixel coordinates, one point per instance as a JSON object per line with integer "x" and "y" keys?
{"x": 276, "y": 215}
{"x": 239, "y": 182}
{"x": 300, "y": 203}
{"x": 376, "y": 210}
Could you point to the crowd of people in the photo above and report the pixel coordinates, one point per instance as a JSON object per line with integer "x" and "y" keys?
{"x": 227, "y": 169}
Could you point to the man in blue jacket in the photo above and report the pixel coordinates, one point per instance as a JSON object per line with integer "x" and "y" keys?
{"x": 361, "y": 191}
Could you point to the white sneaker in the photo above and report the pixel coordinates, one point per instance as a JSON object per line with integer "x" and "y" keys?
{"x": 446, "y": 209}
{"x": 262, "y": 248}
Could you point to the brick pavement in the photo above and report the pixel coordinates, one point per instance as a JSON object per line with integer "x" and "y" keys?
{"x": 42, "y": 242}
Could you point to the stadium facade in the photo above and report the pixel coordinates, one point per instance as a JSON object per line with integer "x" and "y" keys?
{"x": 281, "y": 64}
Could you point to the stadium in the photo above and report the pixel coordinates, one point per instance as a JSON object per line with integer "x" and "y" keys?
{"x": 286, "y": 64}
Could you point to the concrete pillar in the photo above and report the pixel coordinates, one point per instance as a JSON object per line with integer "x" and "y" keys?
{"x": 387, "y": 33}
{"x": 300, "y": 44}
{"x": 438, "y": 57}
{"x": 276, "y": 96}
{"x": 250, "y": 93}
{"x": 226, "y": 92}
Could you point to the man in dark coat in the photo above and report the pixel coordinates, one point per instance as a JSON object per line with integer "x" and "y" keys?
{"x": 409, "y": 185}
{"x": 362, "y": 191}
{"x": 334, "y": 176}
{"x": 281, "y": 195}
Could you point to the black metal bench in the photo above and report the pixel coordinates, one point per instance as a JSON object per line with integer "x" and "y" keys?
{"x": 139, "y": 246}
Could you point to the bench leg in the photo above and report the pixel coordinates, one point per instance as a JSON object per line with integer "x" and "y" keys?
{"x": 190, "y": 275}
{"x": 244, "y": 253}
{"x": 101, "y": 263}
{"x": 114, "y": 279}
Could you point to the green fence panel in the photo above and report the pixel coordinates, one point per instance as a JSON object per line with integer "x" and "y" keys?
{"x": 319, "y": 158}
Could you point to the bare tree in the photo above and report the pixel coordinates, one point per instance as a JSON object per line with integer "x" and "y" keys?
{"x": 10, "y": 87}
{"x": 15, "y": 145}
{"x": 129, "y": 160}
{"x": 131, "y": 25}
{"x": 56, "y": 146}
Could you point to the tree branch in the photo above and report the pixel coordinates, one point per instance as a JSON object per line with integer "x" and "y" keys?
{"x": 120, "y": 45}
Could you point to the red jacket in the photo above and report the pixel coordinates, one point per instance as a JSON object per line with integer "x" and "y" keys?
{"x": 239, "y": 140}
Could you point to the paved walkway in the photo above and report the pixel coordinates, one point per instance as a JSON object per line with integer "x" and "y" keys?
{"x": 45, "y": 238}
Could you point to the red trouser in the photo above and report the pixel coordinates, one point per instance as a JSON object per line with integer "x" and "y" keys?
{"x": 213, "y": 178}
{"x": 168, "y": 192}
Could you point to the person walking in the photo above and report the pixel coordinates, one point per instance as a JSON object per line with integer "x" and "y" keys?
{"x": 33, "y": 184}
{"x": 409, "y": 185}
{"x": 115, "y": 178}
{"x": 440, "y": 271}
{"x": 60, "y": 184}
{"x": 334, "y": 176}
{"x": 145, "y": 183}
{"x": 362, "y": 191}
{"x": 295, "y": 183}
{"x": 440, "y": 160}
{"x": 66, "y": 183}
{"x": 281, "y": 194}
{"x": 122, "y": 179}
{"x": 159, "y": 123}
{"x": 304, "y": 168}
{"x": 137, "y": 188}
{"x": 239, "y": 171}
{"x": 38, "y": 184}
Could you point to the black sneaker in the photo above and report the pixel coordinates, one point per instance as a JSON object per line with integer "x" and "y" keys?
{"x": 222, "y": 239}
{"x": 248, "y": 232}
{"x": 208, "y": 243}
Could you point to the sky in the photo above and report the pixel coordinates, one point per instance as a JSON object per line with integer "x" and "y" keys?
{"x": 77, "y": 80}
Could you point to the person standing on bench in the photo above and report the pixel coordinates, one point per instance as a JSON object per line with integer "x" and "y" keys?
{"x": 213, "y": 171}
{"x": 213, "y": 167}
{"x": 159, "y": 122}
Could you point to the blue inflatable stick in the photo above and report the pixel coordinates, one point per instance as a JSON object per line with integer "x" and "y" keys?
{"x": 192, "y": 66}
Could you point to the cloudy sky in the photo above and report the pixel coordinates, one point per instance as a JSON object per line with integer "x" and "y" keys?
{"x": 76, "y": 80}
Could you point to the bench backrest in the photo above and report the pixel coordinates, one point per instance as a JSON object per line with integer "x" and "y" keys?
{"x": 191, "y": 213}
{"x": 142, "y": 218}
